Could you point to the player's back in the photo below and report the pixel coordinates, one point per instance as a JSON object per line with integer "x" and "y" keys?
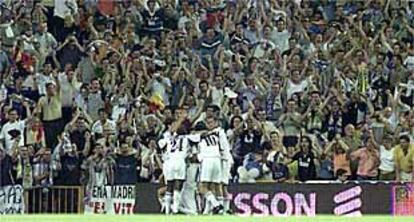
{"x": 176, "y": 148}
{"x": 210, "y": 145}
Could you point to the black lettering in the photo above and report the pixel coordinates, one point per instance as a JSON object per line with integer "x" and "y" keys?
{"x": 130, "y": 192}
{"x": 2, "y": 196}
{"x": 114, "y": 191}
{"x": 176, "y": 145}
{"x": 124, "y": 192}
{"x": 211, "y": 140}
{"x": 104, "y": 193}
{"x": 95, "y": 192}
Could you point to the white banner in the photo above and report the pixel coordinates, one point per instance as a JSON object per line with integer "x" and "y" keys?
{"x": 111, "y": 200}
{"x": 11, "y": 200}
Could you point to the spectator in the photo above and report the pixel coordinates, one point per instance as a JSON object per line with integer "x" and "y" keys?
{"x": 341, "y": 175}
{"x": 103, "y": 123}
{"x": 251, "y": 168}
{"x": 98, "y": 167}
{"x": 42, "y": 169}
{"x": 290, "y": 121}
{"x": 13, "y": 130}
{"x": 125, "y": 71}
{"x": 70, "y": 162}
{"x": 247, "y": 142}
{"x": 70, "y": 88}
{"x": 306, "y": 160}
{"x": 7, "y": 162}
{"x": 95, "y": 100}
{"x": 387, "y": 165}
{"x": 25, "y": 170}
{"x": 50, "y": 106}
{"x": 338, "y": 150}
{"x": 368, "y": 161}
{"x": 126, "y": 166}
{"x": 153, "y": 16}
{"x": 403, "y": 157}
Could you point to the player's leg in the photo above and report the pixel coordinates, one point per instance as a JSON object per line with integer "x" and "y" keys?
{"x": 168, "y": 178}
{"x": 218, "y": 192}
{"x": 179, "y": 177}
{"x": 204, "y": 184}
{"x": 224, "y": 184}
{"x": 168, "y": 196}
{"x": 210, "y": 170}
{"x": 178, "y": 186}
{"x": 161, "y": 192}
{"x": 204, "y": 189}
{"x": 188, "y": 203}
{"x": 161, "y": 196}
{"x": 226, "y": 201}
{"x": 216, "y": 179}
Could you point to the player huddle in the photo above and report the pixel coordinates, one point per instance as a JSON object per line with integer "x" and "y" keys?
{"x": 196, "y": 169}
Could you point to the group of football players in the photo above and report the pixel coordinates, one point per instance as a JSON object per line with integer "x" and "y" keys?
{"x": 196, "y": 169}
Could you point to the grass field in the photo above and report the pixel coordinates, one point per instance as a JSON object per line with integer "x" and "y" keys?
{"x": 160, "y": 218}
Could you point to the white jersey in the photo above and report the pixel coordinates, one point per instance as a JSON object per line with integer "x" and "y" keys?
{"x": 214, "y": 144}
{"x": 175, "y": 148}
{"x": 226, "y": 148}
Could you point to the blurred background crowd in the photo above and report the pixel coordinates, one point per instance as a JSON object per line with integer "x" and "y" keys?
{"x": 306, "y": 90}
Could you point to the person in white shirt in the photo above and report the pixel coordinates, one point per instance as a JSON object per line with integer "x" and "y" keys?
{"x": 45, "y": 38}
{"x": 189, "y": 195}
{"x": 409, "y": 60}
{"x": 103, "y": 123}
{"x": 280, "y": 36}
{"x": 212, "y": 146}
{"x": 64, "y": 14}
{"x": 44, "y": 78}
{"x": 175, "y": 148}
{"x": 295, "y": 84}
{"x": 13, "y": 129}
{"x": 160, "y": 86}
{"x": 227, "y": 162}
{"x": 217, "y": 91}
{"x": 64, "y": 8}
{"x": 387, "y": 165}
{"x": 70, "y": 88}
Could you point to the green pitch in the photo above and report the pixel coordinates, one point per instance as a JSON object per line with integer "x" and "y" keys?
{"x": 160, "y": 218}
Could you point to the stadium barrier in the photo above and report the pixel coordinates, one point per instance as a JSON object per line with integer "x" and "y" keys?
{"x": 54, "y": 199}
{"x": 283, "y": 199}
{"x": 258, "y": 199}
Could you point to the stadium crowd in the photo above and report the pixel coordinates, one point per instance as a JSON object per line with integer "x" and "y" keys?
{"x": 305, "y": 90}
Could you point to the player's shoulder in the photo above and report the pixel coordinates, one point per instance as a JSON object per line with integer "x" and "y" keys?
{"x": 220, "y": 131}
{"x": 195, "y": 138}
{"x": 162, "y": 142}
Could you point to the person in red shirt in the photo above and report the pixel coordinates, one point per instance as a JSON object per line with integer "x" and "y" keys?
{"x": 368, "y": 161}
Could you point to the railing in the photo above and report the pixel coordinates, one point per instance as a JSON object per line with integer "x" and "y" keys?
{"x": 316, "y": 198}
{"x": 56, "y": 199}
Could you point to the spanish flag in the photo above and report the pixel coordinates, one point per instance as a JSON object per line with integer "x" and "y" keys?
{"x": 156, "y": 102}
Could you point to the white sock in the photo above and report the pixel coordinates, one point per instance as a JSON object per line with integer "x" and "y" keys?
{"x": 176, "y": 201}
{"x": 226, "y": 204}
{"x": 168, "y": 197}
{"x": 207, "y": 207}
{"x": 220, "y": 199}
{"x": 212, "y": 199}
{"x": 199, "y": 202}
{"x": 162, "y": 202}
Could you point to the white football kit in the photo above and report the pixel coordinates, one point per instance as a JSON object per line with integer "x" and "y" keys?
{"x": 189, "y": 192}
{"x": 175, "y": 153}
{"x": 226, "y": 160}
{"x": 211, "y": 148}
